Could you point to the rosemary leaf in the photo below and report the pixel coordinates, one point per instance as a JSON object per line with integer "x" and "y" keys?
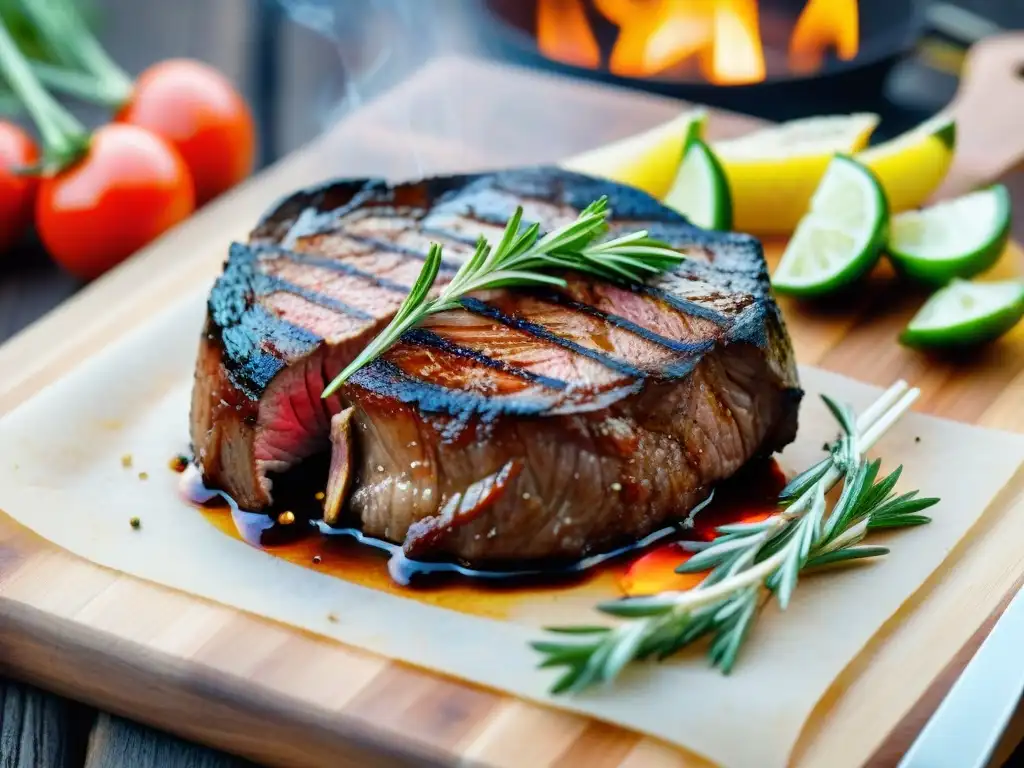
{"x": 753, "y": 562}
{"x": 523, "y": 258}
{"x": 844, "y": 555}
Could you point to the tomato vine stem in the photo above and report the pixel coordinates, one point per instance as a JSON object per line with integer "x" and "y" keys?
{"x": 70, "y": 39}
{"x": 65, "y": 139}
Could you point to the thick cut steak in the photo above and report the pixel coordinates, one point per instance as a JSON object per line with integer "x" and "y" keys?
{"x": 531, "y": 423}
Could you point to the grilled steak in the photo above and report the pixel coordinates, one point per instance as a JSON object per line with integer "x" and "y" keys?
{"x": 530, "y": 424}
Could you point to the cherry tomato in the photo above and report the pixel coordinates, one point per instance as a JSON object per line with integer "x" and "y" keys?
{"x": 197, "y": 109}
{"x": 17, "y": 192}
{"x": 130, "y": 187}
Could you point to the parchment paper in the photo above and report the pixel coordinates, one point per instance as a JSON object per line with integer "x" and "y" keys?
{"x": 61, "y": 476}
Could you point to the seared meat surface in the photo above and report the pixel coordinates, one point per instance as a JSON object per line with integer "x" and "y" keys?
{"x": 541, "y": 423}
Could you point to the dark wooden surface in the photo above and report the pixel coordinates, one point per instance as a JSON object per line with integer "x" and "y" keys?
{"x": 38, "y": 728}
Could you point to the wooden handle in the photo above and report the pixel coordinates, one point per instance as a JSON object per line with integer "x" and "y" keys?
{"x": 989, "y": 109}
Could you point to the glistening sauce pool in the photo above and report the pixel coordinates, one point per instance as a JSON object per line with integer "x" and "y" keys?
{"x": 290, "y": 531}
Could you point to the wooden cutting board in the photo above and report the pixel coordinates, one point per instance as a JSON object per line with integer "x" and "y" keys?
{"x": 279, "y": 696}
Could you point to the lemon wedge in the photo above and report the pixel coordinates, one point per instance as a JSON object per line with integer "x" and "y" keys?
{"x": 912, "y": 165}
{"x": 647, "y": 160}
{"x": 773, "y": 172}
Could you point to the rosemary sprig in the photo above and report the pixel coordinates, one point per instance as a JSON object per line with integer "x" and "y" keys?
{"x": 523, "y": 258}
{"x": 750, "y": 563}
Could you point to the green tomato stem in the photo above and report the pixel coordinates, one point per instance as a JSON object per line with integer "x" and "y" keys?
{"x": 80, "y": 85}
{"x": 64, "y": 138}
{"x": 65, "y": 31}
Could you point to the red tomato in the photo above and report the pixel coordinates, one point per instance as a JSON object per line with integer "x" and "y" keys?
{"x": 197, "y": 109}
{"x": 17, "y": 193}
{"x": 130, "y": 187}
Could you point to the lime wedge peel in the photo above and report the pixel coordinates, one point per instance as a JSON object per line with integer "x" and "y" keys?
{"x": 841, "y": 237}
{"x": 912, "y": 166}
{"x": 965, "y": 313}
{"x": 955, "y": 238}
{"x": 700, "y": 190}
{"x": 646, "y": 160}
{"x": 941, "y": 127}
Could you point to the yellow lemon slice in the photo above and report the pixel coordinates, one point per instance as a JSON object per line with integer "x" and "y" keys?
{"x": 773, "y": 172}
{"x": 647, "y": 160}
{"x": 912, "y": 165}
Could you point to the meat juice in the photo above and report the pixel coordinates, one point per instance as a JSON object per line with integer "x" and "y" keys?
{"x": 290, "y": 530}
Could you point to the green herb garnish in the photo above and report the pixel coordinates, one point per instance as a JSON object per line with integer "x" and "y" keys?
{"x": 523, "y": 258}
{"x": 750, "y": 563}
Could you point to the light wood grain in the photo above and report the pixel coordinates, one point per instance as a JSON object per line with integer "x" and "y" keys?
{"x": 282, "y": 697}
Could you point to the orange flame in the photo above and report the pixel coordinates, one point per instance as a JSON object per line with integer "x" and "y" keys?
{"x": 665, "y": 34}
{"x": 564, "y": 34}
{"x": 824, "y": 24}
{"x": 722, "y": 36}
{"x": 736, "y": 56}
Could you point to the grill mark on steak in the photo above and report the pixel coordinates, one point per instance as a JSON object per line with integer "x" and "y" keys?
{"x": 624, "y": 404}
{"x": 385, "y": 379}
{"x": 429, "y": 338}
{"x": 618, "y": 321}
{"x": 590, "y": 336}
{"x": 502, "y": 342}
{"x": 306, "y": 259}
{"x": 404, "y": 250}
{"x": 268, "y": 284}
{"x": 540, "y": 332}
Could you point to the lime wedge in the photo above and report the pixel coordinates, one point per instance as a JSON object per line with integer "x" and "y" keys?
{"x": 955, "y": 238}
{"x": 965, "y": 313}
{"x": 646, "y": 160}
{"x": 700, "y": 190}
{"x": 912, "y": 165}
{"x": 840, "y": 238}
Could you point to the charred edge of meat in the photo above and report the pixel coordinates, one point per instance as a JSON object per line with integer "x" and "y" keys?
{"x": 254, "y": 341}
{"x": 385, "y": 379}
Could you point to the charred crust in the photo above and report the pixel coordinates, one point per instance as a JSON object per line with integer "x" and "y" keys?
{"x": 384, "y": 379}
{"x": 254, "y": 343}
{"x": 257, "y": 345}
